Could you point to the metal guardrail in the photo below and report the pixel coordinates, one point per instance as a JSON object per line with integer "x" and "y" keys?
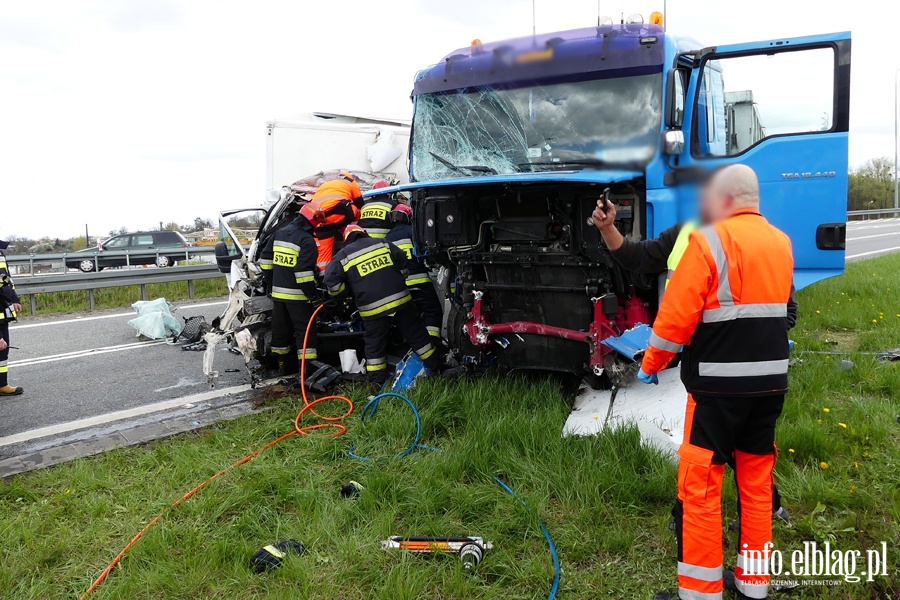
{"x": 34, "y": 264}
{"x": 66, "y": 281}
{"x": 877, "y": 212}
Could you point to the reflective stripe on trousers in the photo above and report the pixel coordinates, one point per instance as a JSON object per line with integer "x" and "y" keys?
{"x": 385, "y": 304}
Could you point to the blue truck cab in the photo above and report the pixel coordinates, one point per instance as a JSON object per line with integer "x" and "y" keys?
{"x": 513, "y": 143}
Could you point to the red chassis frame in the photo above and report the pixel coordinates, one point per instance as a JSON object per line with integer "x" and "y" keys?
{"x": 479, "y": 328}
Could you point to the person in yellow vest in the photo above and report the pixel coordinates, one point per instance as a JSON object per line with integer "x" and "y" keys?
{"x": 661, "y": 255}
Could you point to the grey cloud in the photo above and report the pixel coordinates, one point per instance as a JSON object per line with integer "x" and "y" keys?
{"x": 34, "y": 35}
{"x": 137, "y": 15}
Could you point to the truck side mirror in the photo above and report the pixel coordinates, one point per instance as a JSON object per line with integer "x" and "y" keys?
{"x": 673, "y": 142}
{"x": 674, "y": 109}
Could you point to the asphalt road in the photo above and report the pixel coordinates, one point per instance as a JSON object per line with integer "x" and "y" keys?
{"x": 867, "y": 239}
{"x": 76, "y": 368}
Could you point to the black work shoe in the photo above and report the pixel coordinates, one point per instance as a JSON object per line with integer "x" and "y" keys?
{"x": 11, "y": 391}
{"x": 730, "y": 586}
{"x": 782, "y": 514}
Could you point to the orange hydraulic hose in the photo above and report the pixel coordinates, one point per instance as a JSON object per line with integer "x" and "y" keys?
{"x": 330, "y": 422}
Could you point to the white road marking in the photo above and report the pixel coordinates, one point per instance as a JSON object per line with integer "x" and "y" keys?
{"x": 869, "y": 237}
{"x": 880, "y": 225}
{"x": 879, "y": 251}
{"x": 114, "y": 316}
{"x": 81, "y": 353}
{"x": 139, "y": 411}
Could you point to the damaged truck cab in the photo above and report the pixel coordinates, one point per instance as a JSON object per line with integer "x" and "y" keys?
{"x": 514, "y": 142}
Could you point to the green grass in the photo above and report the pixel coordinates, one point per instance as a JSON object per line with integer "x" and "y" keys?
{"x": 118, "y": 297}
{"x": 606, "y": 500}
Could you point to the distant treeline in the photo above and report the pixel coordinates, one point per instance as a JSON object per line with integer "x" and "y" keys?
{"x": 872, "y": 185}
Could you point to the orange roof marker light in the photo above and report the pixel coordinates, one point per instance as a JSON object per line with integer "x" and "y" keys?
{"x": 475, "y": 46}
{"x": 656, "y": 18}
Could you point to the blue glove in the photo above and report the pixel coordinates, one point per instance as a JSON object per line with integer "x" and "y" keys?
{"x": 644, "y": 377}
{"x": 790, "y": 345}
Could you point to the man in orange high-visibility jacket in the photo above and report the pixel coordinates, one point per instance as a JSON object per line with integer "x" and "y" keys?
{"x": 335, "y": 205}
{"x": 726, "y": 307}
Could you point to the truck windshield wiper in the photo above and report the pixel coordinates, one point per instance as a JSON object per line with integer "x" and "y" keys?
{"x": 463, "y": 168}
{"x": 565, "y": 163}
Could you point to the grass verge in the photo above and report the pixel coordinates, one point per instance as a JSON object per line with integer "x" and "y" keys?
{"x": 118, "y": 297}
{"x": 605, "y": 499}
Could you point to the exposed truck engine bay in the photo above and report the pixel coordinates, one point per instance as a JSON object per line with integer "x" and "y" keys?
{"x": 531, "y": 285}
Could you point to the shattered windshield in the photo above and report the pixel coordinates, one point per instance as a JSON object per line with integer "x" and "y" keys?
{"x": 572, "y": 125}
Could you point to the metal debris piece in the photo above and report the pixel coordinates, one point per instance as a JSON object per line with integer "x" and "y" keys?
{"x": 632, "y": 342}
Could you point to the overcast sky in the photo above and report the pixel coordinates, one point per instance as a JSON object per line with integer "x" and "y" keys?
{"x": 128, "y": 112}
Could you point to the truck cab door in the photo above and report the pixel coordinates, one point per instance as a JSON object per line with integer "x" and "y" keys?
{"x": 781, "y": 107}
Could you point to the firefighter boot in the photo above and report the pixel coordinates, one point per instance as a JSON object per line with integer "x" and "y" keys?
{"x": 728, "y": 581}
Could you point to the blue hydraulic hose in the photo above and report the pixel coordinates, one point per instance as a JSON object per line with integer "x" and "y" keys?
{"x": 555, "y": 587}
{"x": 369, "y": 412}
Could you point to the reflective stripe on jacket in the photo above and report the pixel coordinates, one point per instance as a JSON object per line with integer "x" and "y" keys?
{"x": 291, "y": 257}
{"x": 375, "y": 216}
{"x": 726, "y": 306}
{"x": 401, "y": 236}
{"x": 375, "y": 272}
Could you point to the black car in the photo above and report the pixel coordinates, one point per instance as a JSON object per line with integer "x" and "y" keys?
{"x": 160, "y": 248}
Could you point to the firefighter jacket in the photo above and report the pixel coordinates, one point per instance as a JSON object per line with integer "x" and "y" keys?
{"x": 8, "y": 294}
{"x": 726, "y": 306}
{"x": 375, "y": 272}
{"x": 375, "y": 216}
{"x": 290, "y": 259}
{"x": 401, "y": 236}
{"x": 333, "y": 206}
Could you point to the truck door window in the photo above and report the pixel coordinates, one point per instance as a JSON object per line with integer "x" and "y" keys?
{"x": 764, "y": 95}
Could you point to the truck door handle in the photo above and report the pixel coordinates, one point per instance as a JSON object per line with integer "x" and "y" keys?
{"x": 831, "y": 236}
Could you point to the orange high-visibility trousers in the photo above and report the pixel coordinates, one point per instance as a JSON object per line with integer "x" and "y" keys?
{"x": 326, "y": 250}
{"x": 717, "y": 430}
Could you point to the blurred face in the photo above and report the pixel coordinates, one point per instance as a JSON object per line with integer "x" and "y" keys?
{"x": 715, "y": 203}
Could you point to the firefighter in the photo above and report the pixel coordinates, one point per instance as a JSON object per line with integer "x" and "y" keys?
{"x": 334, "y": 205}
{"x": 725, "y": 309}
{"x": 9, "y": 307}
{"x": 289, "y": 264}
{"x": 418, "y": 280}
{"x": 375, "y": 273}
{"x": 375, "y": 215}
{"x": 661, "y": 255}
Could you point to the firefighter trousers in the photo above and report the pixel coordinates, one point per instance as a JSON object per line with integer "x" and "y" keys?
{"x": 4, "y": 355}
{"x": 431, "y": 307}
{"x": 289, "y": 322}
{"x": 719, "y": 430}
{"x": 410, "y": 325}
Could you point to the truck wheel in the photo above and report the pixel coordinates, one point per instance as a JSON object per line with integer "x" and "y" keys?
{"x": 163, "y": 261}
{"x": 87, "y": 266}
